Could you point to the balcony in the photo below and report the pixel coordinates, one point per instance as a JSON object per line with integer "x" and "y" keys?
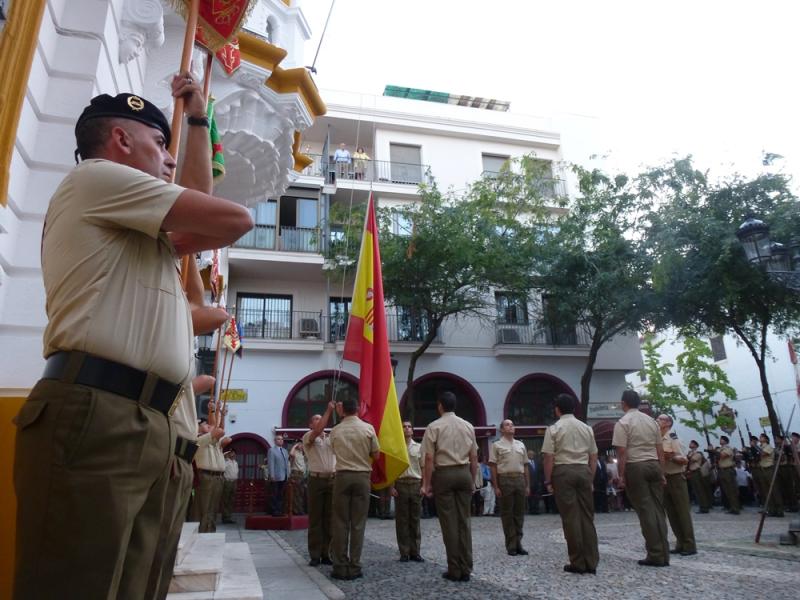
{"x": 291, "y": 239}
{"x": 529, "y": 334}
{"x": 549, "y": 188}
{"x": 377, "y": 171}
{"x": 316, "y": 326}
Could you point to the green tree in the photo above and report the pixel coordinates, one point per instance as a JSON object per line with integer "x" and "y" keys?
{"x": 457, "y": 248}
{"x": 703, "y": 281}
{"x": 593, "y": 269}
{"x": 704, "y": 381}
{"x": 661, "y": 396}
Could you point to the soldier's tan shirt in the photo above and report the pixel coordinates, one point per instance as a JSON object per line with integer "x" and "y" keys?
{"x": 110, "y": 275}
{"x": 509, "y": 456}
{"x": 319, "y": 453}
{"x": 449, "y": 440}
{"x": 354, "y": 442}
{"x": 184, "y": 419}
{"x": 767, "y": 456}
{"x": 209, "y": 455}
{"x": 638, "y": 434}
{"x": 414, "y": 470}
{"x": 570, "y": 441}
{"x": 695, "y": 460}
{"x": 672, "y": 444}
{"x": 299, "y": 463}
{"x": 726, "y": 455}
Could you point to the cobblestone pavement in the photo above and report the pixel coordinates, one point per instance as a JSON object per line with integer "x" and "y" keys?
{"x": 727, "y": 565}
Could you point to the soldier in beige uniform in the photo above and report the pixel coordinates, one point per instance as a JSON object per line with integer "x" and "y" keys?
{"x": 210, "y": 462}
{"x": 355, "y": 445}
{"x": 570, "y": 460}
{"x": 450, "y": 468}
{"x": 726, "y": 469}
{"x": 408, "y": 501}
{"x": 508, "y": 462}
{"x": 118, "y": 348}
{"x": 640, "y": 458}
{"x": 694, "y": 474}
{"x": 676, "y": 493}
{"x": 297, "y": 479}
{"x": 763, "y": 477}
{"x": 321, "y": 473}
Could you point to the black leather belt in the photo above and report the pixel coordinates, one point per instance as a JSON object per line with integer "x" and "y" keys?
{"x": 109, "y": 376}
{"x": 185, "y": 449}
{"x": 211, "y": 473}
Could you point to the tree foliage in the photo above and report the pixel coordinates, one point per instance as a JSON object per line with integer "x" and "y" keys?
{"x": 705, "y": 286}
{"x": 593, "y": 267}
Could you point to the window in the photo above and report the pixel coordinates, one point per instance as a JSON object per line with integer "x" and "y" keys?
{"x": 270, "y": 31}
{"x": 423, "y": 411}
{"x": 339, "y": 312}
{"x": 718, "y": 348}
{"x": 313, "y": 397}
{"x": 406, "y": 163}
{"x": 306, "y": 213}
{"x": 407, "y": 324}
{"x": 556, "y": 332}
{"x": 401, "y": 225}
{"x": 512, "y": 309}
{"x": 493, "y": 163}
{"x": 532, "y": 402}
{"x": 265, "y": 316}
{"x": 262, "y": 236}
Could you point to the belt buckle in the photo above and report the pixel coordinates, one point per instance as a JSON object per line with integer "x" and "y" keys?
{"x": 176, "y": 401}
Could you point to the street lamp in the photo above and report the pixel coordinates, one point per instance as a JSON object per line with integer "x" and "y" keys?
{"x": 782, "y": 264}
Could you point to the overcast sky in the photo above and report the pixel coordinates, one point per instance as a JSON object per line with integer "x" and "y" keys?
{"x": 639, "y": 80}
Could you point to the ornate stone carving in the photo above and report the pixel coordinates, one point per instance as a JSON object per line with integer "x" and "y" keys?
{"x": 141, "y": 27}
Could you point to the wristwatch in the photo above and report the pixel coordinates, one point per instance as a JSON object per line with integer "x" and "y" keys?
{"x": 199, "y": 121}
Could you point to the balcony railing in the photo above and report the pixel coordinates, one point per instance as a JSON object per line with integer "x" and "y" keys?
{"x": 291, "y": 239}
{"x": 529, "y": 334}
{"x": 299, "y": 325}
{"x": 384, "y": 171}
{"x": 549, "y": 188}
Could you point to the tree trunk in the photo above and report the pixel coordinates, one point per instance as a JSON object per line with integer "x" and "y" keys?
{"x": 412, "y": 365}
{"x": 586, "y": 378}
{"x": 759, "y": 357}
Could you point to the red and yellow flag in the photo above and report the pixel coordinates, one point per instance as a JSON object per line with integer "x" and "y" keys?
{"x": 367, "y": 343}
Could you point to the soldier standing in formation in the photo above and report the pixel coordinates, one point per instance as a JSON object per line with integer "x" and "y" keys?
{"x": 297, "y": 479}
{"x": 676, "y": 492}
{"x": 763, "y": 478}
{"x": 451, "y": 464}
{"x": 408, "y": 501}
{"x": 321, "y": 474}
{"x": 640, "y": 455}
{"x": 570, "y": 460}
{"x": 726, "y": 470}
{"x": 508, "y": 462}
{"x": 694, "y": 474}
{"x": 786, "y": 473}
{"x": 355, "y": 445}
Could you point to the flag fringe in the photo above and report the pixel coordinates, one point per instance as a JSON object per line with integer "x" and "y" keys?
{"x": 215, "y": 41}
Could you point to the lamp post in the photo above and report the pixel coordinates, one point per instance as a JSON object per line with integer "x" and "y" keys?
{"x": 781, "y": 263}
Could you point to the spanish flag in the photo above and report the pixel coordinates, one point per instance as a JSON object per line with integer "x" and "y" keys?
{"x": 367, "y": 343}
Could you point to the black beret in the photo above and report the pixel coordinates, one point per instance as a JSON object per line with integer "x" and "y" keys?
{"x": 126, "y": 106}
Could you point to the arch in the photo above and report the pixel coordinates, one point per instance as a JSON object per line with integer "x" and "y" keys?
{"x": 536, "y": 386}
{"x": 343, "y": 376}
{"x": 476, "y": 414}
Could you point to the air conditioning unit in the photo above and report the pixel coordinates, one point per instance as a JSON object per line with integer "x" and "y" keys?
{"x": 509, "y": 336}
{"x": 309, "y": 328}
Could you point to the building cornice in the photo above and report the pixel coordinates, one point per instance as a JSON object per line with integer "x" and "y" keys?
{"x": 284, "y": 81}
{"x": 421, "y": 121}
{"x": 259, "y": 52}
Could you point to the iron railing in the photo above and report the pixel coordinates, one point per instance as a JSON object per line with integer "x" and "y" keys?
{"x": 549, "y": 187}
{"x": 308, "y": 325}
{"x": 540, "y": 334}
{"x": 384, "y": 171}
{"x": 291, "y": 239}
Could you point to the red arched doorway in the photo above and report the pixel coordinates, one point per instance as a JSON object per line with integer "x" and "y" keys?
{"x": 530, "y": 404}
{"x": 426, "y": 389}
{"x": 251, "y": 450}
{"x": 311, "y": 395}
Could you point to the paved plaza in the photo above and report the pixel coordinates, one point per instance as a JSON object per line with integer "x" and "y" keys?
{"x": 728, "y": 564}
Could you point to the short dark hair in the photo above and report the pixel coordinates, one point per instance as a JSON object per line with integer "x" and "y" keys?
{"x": 694, "y": 442}
{"x": 566, "y": 404}
{"x": 349, "y": 405}
{"x": 91, "y": 135}
{"x": 631, "y": 399}
{"x": 764, "y": 435}
{"x": 448, "y": 401}
{"x": 725, "y": 439}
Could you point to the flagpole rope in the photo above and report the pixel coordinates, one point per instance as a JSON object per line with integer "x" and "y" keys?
{"x": 340, "y": 367}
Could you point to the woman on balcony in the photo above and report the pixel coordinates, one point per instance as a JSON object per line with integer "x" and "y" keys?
{"x": 360, "y": 164}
